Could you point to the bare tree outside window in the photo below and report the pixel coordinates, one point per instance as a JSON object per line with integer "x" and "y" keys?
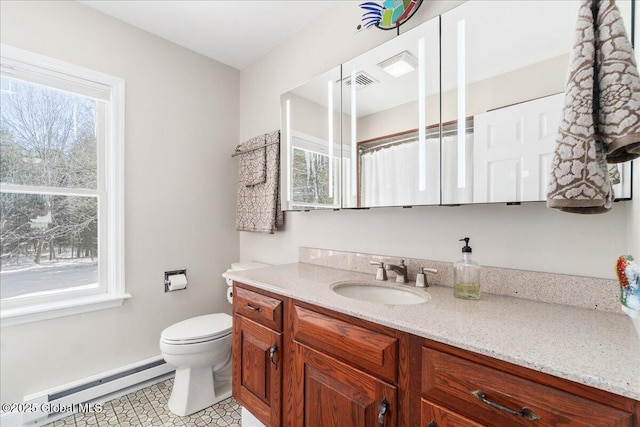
{"x": 310, "y": 178}
{"x": 48, "y": 149}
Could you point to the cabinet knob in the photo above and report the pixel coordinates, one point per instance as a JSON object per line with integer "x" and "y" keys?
{"x": 272, "y": 355}
{"x": 433, "y": 423}
{"x": 382, "y": 410}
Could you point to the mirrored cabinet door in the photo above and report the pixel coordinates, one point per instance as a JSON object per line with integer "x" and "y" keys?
{"x": 391, "y": 116}
{"x": 504, "y": 66}
{"x": 310, "y": 144}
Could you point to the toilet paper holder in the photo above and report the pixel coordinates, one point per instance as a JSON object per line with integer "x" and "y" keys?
{"x": 167, "y": 281}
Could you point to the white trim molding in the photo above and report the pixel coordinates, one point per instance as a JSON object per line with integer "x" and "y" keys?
{"x": 109, "y": 291}
{"x": 52, "y": 310}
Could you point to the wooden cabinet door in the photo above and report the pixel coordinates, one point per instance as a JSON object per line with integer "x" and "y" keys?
{"x": 335, "y": 394}
{"x": 436, "y": 416}
{"x": 257, "y": 369}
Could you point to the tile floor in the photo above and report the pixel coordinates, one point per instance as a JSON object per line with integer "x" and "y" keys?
{"x": 148, "y": 407}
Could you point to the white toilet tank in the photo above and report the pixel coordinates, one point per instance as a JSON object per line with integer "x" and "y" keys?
{"x": 240, "y": 266}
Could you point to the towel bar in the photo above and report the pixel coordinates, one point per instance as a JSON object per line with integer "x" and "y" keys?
{"x": 240, "y": 152}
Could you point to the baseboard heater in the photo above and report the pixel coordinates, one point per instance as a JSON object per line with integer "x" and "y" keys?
{"x": 56, "y": 403}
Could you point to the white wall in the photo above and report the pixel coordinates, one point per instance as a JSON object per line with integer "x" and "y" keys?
{"x": 181, "y": 127}
{"x": 525, "y": 237}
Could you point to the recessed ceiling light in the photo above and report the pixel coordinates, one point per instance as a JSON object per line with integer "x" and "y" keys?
{"x": 400, "y": 64}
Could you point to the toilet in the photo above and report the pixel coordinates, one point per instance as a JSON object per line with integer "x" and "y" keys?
{"x": 200, "y": 349}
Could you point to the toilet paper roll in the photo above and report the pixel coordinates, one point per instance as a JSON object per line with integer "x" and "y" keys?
{"x": 230, "y": 295}
{"x": 229, "y": 281}
{"x": 177, "y": 282}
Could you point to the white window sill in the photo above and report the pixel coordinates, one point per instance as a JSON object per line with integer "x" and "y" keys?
{"x": 35, "y": 313}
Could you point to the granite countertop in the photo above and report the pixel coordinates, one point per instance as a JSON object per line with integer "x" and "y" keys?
{"x": 596, "y": 348}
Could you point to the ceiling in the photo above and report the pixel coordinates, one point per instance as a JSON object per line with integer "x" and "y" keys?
{"x": 235, "y": 33}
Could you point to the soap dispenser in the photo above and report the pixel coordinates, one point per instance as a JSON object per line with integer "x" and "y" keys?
{"x": 466, "y": 275}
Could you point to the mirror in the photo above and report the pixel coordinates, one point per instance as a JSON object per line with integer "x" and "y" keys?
{"x": 310, "y": 144}
{"x": 491, "y": 71}
{"x": 504, "y": 66}
{"x": 391, "y": 115}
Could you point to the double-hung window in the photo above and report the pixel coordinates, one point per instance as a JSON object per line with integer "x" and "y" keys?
{"x": 61, "y": 188}
{"x": 312, "y": 173}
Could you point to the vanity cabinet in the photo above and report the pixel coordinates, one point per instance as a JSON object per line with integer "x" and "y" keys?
{"x": 463, "y": 389}
{"x": 341, "y": 373}
{"x": 334, "y": 393}
{"x": 299, "y": 365}
{"x": 257, "y": 350}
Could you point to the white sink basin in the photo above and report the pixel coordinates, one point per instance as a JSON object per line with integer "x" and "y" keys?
{"x": 380, "y": 293}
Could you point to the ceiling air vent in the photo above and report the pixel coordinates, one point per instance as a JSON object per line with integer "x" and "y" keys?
{"x": 362, "y": 80}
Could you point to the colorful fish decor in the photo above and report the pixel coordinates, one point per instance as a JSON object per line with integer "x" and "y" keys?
{"x": 388, "y": 14}
{"x": 628, "y": 273}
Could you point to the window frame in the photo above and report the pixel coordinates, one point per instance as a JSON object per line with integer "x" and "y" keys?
{"x": 109, "y": 193}
{"x": 315, "y": 145}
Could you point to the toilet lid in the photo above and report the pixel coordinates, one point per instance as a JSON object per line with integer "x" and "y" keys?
{"x": 198, "y": 329}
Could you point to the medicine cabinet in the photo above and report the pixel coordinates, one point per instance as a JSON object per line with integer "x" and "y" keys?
{"x": 461, "y": 109}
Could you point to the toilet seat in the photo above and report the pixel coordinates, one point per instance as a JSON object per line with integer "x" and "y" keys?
{"x": 198, "y": 329}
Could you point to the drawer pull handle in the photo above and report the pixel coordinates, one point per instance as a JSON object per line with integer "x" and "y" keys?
{"x": 525, "y": 412}
{"x": 272, "y": 352}
{"x": 382, "y": 410}
{"x": 252, "y": 308}
{"x": 433, "y": 424}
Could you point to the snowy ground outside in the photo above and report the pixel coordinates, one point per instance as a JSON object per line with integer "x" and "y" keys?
{"x": 27, "y": 277}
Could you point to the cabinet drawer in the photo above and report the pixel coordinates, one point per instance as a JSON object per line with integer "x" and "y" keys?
{"x": 486, "y": 396}
{"x": 372, "y": 351}
{"x": 263, "y": 309}
{"x": 436, "y": 416}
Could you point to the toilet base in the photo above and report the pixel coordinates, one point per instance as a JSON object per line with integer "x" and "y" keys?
{"x": 194, "y": 390}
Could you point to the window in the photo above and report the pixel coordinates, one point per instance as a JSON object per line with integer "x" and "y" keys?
{"x": 311, "y": 173}
{"x": 61, "y": 188}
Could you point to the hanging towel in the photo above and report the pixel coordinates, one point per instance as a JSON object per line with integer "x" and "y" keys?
{"x": 259, "y": 203}
{"x": 619, "y": 87}
{"x": 253, "y": 164}
{"x": 599, "y": 112}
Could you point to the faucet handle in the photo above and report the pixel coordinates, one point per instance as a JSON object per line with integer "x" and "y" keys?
{"x": 421, "y": 278}
{"x": 381, "y": 273}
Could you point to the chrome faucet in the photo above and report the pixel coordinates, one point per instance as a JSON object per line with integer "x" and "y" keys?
{"x": 400, "y": 270}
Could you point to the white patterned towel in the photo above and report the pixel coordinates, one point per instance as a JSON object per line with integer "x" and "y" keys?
{"x": 253, "y": 162}
{"x": 601, "y": 116}
{"x": 619, "y": 86}
{"x": 259, "y": 202}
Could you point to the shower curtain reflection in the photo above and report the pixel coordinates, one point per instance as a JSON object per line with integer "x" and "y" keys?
{"x": 390, "y": 172}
